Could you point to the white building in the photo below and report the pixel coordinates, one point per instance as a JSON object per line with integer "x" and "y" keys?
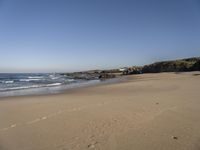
{"x": 123, "y": 69}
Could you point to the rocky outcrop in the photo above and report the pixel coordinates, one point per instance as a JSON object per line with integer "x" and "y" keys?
{"x": 81, "y": 75}
{"x": 90, "y": 75}
{"x": 132, "y": 70}
{"x": 106, "y": 75}
{"x": 190, "y": 64}
{"x": 196, "y": 66}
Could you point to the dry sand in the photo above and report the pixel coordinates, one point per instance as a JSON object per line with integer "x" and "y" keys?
{"x": 147, "y": 112}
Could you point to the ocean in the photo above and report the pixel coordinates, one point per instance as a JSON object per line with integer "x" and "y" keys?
{"x": 16, "y": 84}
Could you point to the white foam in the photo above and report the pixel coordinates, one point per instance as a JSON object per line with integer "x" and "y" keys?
{"x": 8, "y": 82}
{"x": 28, "y": 80}
{"x": 70, "y": 80}
{"x": 54, "y": 78}
{"x": 54, "y": 84}
{"x": 35, "y": 77}
{"x": 32, "y": 86}
{"x": 22, "y": 87}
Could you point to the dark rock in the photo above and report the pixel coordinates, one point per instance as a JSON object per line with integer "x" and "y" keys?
{"x": 133, "y": 70}
{"x": 196, "y": 66}
{"x": 89, "y": 75}
{"x": 175, "y": 137}
{"x": 190, "y": 64}
{"x": 106, "y": 76}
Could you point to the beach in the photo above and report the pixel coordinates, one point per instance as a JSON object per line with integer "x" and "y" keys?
{"x": 145, "y": 112}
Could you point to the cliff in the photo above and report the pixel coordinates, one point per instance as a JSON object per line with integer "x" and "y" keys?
{"x": 189, "y": 64}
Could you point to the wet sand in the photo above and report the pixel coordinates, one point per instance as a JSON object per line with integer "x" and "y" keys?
{"x": 146, "y": 112}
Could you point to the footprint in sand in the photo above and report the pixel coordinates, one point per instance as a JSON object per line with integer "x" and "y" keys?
{"x": 37, "y": 120}
{"x": 92, "y": 145}
{"x": 44, "y": 118}
{"x": 33, "y": 121}
{"x": 13, "y": 125}
{"x": 4, "y": 129}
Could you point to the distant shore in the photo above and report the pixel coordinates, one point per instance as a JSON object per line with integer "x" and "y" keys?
{"x": 148, "y": 111}
{"x": 179, "y": 65}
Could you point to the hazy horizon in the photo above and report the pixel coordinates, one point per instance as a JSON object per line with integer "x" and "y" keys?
{"x": 66, "y": 36}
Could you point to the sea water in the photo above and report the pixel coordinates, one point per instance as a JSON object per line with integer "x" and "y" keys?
{"x": 14, "y": 84}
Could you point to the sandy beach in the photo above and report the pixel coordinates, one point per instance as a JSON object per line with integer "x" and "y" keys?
{"x": 146, "y": 112}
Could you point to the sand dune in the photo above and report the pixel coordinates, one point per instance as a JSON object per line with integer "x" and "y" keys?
{"x": 149, "y": 111}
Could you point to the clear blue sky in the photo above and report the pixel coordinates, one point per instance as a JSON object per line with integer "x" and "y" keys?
{"x": 72, "y": 35}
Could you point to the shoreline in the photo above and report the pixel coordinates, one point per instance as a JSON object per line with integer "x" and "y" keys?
{"x": 66, "y": 90}
{"x": 117, "y": 80}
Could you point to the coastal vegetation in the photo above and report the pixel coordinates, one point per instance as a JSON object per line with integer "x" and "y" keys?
{"x": 189, "y": 64}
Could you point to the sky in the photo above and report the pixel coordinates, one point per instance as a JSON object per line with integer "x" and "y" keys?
{"x": 75, "y": 35}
